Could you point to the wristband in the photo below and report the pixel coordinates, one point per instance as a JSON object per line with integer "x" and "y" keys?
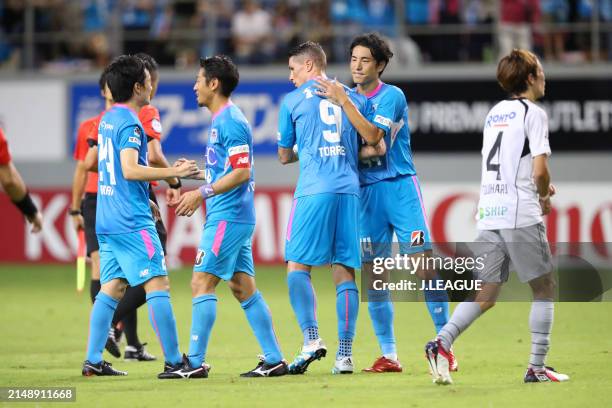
{"x": 177, "y": 185}
{"x": 26, "y": 205}
{"x": 207, "y": 191}
{"x": 74, "y": 212}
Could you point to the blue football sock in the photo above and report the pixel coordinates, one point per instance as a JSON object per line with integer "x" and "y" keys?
{"x": 304, "y": 302}
{"x": 437, "y": 304}
{"x": 203, "y": 315}
{"x": 347, "y": 307}
{"x": 99, "y": 325}
{"x": 162, "y": 320}
{"x": 380, "y": 307}
{"x": 260, "y": 319}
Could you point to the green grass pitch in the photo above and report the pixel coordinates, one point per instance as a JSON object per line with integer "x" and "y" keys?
{"x": 44, "y": 330}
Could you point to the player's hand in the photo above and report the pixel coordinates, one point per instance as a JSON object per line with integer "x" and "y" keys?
{"x": 332, "y": 90}
{"x": 552, "y": 190}
{"x": 172, "y": 196}
{"x": 36, "y": 221}
{"x": 189, "y": 203}
{"x": 155, "y": 211}
{"x": 186, "y": 168}
{"x": 78, "y": 222}
{"x": 545, "y": 204}
{"x": 179, "y": 161}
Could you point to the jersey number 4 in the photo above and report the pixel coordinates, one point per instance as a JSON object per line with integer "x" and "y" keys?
{"x": 495, "y": 151}
{"x": 106, "y": 160}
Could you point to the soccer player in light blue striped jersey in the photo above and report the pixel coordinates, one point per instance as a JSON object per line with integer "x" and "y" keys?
{"x": 130, "y": 251}
{"x": 224, "y": 252}
{"x": 323, "y": 225}
{"x": 391, "y": 200}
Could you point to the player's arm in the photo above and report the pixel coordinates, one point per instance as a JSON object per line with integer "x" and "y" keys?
{"x": 239, "y": 158}
{"x": 287, "y": 155}
{"x": 335, "y": 93}
{"x": 132, "y": 170}
{"x": 157, "y": 159}
{"x": 536, "y": 126}
{"x": 192, "y": 200}
{"x": 368, "y": 152}
{"x": 79, "y": 179}
{"x": 91, "y": 158}
{"x": 287, "y": 149}
{"x": 15, "y": 188}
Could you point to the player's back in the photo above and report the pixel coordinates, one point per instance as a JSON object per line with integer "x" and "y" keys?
{"x": 123, "y": 205}
{"x": 230, "y": 145}
{"x": 391, "y": 115}
{"x": 327, "y": 142}
{"x": 515, "y": 131}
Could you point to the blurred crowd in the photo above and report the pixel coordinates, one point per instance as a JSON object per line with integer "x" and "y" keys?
{"x": 86, "y": 34}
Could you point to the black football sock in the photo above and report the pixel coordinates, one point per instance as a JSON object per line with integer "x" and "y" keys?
{"x": 130, "y": 328}
{"x": 94, "y": 288}
{"x": 132, "y": 300}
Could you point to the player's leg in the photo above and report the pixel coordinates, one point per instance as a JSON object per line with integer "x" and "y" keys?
{"x": 94, "y": 284}
{"x": 375, "y": 238}
{"x": 162, "y": 319}
{"x": 495, "y": 271}
{"x": 88, "y": 208}
{"x": 142, "y": 259}
{"x": 345, "y": 258}
{"x": 347, "y": 308}
{"x": 134, "y": 298}
{"x": 258, "y": 314}
{"x": 530, "y": 254}
{"x": 407, "y": 215}
{"x": 203, "y": 316}
{"x": 113, "y": 288}
{"x": 310, "y": 233}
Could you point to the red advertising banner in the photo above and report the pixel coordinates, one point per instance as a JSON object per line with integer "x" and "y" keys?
{"x": 581, "y": 214}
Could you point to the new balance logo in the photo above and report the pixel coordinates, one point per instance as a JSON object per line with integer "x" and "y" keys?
{"x": 144, "y": 273}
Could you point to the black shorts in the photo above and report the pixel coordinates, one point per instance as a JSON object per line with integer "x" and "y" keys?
{"x": 88, "y": 208}
{"x": 159, "y": 225}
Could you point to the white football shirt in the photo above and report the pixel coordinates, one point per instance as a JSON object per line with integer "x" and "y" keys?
{"x": 515, "y": 131}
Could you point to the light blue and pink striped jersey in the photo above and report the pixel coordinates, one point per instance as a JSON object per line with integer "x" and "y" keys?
{"x": 123, "y": 205}
{"x": 391, "y": 115}
{"x": 229, "y": 138}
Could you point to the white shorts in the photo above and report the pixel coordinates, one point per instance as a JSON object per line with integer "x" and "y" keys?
{"x": 526, "y": 248}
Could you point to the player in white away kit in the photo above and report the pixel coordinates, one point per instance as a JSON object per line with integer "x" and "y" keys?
{"x": 515, "y": 193}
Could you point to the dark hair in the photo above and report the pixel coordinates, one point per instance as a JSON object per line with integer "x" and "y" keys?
{"x": 313, "y": 50}
{"x": 102, "y": 80}
{"x": 379, "y": 48}
{"x": 514, "y": 69}
{"x": 122, "y": 74}
{"x": 222, "y": 68}
{"x": 149, "y": 62}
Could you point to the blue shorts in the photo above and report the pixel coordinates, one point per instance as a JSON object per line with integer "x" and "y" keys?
{"x": 225, "y": 248}
{"x": 388, "y": 206}
{"x": 134, "y": 256}
{"x": 323, "y": 229}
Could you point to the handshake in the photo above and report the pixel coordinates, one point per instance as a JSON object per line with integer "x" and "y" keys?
{"x": 187, "y": 203}
{"x": 187, "y": 169}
